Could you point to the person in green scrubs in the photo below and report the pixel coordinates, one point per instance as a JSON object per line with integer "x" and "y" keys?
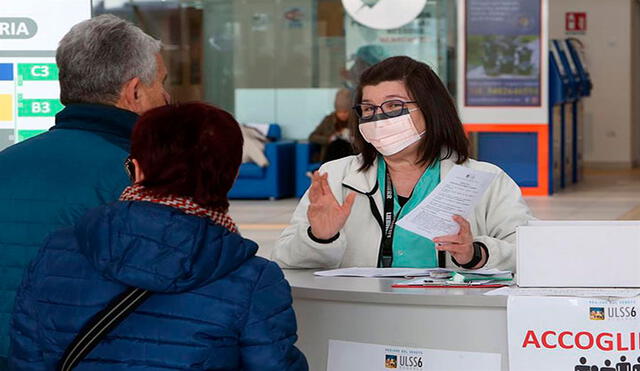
{"x": 393, "y": 117}
{"x": 408, "y": 137}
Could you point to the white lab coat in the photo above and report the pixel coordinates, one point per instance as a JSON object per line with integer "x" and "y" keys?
{"x": 493, "y": 221}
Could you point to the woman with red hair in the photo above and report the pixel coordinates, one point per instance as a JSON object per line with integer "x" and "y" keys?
{"x": 206, "y": 302}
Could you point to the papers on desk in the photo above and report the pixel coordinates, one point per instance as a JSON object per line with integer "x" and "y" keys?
{"x": 461, "y": 279}
{"x": 439, "y": 274}
{"x": 575, "y": 292}
{"x": 456, "y": 194}
{"x": 378, "y": 272}
{"x": 422, "y": 282}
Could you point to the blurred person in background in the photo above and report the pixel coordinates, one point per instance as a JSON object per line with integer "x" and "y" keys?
{"x": 333, "y": 134}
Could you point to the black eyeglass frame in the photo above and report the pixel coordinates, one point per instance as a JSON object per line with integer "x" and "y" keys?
{"x": 395, "y": 113}
{"x": 130, "y": 169}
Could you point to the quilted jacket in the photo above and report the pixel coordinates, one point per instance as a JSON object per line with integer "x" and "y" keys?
{"x": 215, "y": 305}
{"x": 51, "y": 180}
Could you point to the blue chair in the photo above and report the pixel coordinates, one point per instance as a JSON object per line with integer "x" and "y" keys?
{"x": 273, "y": 181}
{"x": 304, "y": 154}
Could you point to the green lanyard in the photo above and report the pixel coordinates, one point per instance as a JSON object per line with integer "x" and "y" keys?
{"x": 399, "y": 247}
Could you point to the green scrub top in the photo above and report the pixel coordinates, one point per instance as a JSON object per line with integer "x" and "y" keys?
{"x": 411, "y": 250}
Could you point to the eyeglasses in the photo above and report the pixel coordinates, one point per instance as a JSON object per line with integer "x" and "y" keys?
{"x": 130, "y": 169}
{"x": 390, "y": 108}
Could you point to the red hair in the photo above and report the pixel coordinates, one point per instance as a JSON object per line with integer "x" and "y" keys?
{"x": 189, "y": 150}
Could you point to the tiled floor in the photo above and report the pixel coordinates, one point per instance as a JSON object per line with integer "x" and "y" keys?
{"x": 604, "y": 195}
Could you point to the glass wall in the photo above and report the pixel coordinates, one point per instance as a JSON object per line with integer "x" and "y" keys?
{"x": 281, "y": 60}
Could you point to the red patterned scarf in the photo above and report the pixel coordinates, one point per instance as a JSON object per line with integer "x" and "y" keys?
{"x": 187, "y": 205}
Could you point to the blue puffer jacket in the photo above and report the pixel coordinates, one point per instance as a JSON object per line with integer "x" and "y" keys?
{"x": 216, "y": 306}
{"x": 49, "y": 181}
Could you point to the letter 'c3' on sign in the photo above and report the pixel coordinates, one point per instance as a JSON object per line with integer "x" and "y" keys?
{"x": 41, "y": 71}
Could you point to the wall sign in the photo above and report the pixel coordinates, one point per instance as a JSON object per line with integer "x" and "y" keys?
{"x": 29, "y": 88}
{"x": 384, "y": 14}
{"x": 575, "y": 23}
{"x": 366, "y": 47}
{"x": 503, "y": 53}
{"x": 573, "y": 334}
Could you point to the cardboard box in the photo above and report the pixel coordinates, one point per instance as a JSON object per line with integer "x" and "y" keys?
{"x": 578, "y": 254}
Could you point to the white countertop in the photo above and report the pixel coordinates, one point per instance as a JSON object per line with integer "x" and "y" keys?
{"x": 378, "y": 290}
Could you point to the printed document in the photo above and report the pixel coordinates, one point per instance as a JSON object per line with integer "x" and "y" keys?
{"x": 457, "y": 194}
{"x": 378, "y": 272}
{"x": 577, "y": 292}
{"x": 404, "y": 272}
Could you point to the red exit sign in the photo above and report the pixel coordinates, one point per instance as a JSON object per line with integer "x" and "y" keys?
{"x": 576, "y": 22}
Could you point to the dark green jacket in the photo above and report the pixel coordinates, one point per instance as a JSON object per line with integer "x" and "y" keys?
{"x": 49, "y": 181}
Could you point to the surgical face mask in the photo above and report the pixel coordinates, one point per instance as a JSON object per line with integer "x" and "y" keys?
{"x": 390, "y": 135}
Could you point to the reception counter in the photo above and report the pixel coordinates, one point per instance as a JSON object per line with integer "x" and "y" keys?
{"x": 369, "y": 310}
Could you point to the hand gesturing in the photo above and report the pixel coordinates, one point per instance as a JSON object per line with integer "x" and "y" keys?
{"x": 325, "y": 214}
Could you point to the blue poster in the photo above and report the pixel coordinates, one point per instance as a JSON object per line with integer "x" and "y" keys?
{"x": 503, "y": 53}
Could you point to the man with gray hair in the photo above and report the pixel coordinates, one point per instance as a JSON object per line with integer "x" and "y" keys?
{"x": 110, "y": 72}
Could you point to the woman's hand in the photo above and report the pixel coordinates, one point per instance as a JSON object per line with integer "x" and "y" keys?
{"x": 460, "y": 245}
{"x": 325, "y": 214}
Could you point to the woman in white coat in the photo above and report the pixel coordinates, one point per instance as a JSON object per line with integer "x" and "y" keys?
{"x": 409, "y": 136}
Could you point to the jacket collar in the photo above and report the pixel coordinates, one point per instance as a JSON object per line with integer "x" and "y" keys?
{"x": 367, "y": 182}
{"x": 159, "y": 248}
{"x": 447, "y": 164}
{"x": 102, "y": 119}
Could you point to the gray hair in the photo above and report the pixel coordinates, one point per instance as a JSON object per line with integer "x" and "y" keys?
{"x": 98, "y": 56}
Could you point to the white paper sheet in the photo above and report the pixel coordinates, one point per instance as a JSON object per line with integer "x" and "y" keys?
{"x": 422, "y": 281}
{"x": 486, "y": 272}
{"x": 378, "y": 272}
{"x": 456, "y": 194}
{"x": 351, "y": 356}
{"x": 401, "y": 272}
{"x": 577, "y": 292}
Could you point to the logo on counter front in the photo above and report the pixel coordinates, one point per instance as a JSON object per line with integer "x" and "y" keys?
{"x": 596, "y": 314}
{"x": 406, "y": 360}
{"x": 391, "y": 361}
{"x": 403, "y": 359}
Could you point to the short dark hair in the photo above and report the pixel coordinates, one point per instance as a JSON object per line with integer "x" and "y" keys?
{"x": 189, "y": 150}
{"x": 444, "y": 129}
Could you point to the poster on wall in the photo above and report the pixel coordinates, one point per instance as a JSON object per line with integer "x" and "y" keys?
{"x": 503, "y": 58}
{"x": 366, "y": 46}
{"x": 573, "y": 334}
